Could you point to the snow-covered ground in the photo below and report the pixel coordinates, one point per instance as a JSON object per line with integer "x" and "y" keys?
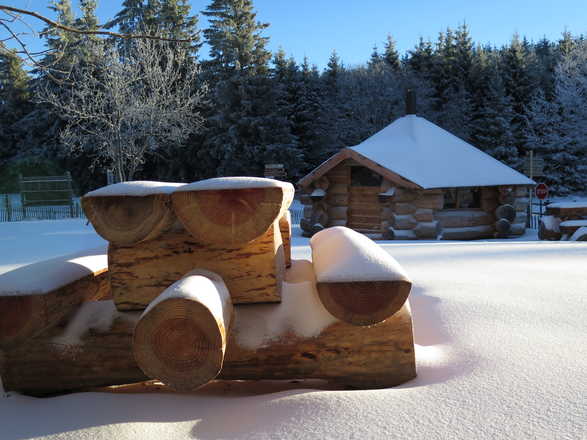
{"x": 500, "y": 330}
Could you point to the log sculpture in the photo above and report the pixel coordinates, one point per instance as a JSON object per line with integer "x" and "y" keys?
{"x": 36, "y": 297}
{"x": 130, "y": 212}
{"x": 358, "y": 282}
{"x": 231, "y": 210}
{"x": 253, "y": 273}
{"x": 376, "y": 356}
{"x": 181, "y": 337}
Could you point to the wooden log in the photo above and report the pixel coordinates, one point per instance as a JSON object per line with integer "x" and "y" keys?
{"x": 337, "y": 212}
{"x": 285, "y": 229}
{"x": 322, "y": 183}
{"x": 458, "y": 218}
{"x": 307, "y": 212}
{"x": 506, "y": 212}
{"x": 503, "y": 226}
{"x": 430, "y": 201}
{"x": 181, "y": 337}
{"x": 357, "y": 281}
{"x": 568, "y": 227}
{"x": 404, "y": 208}
{"x": 424, "y": 215}
{"x": 427, "y": 229}
{"x": 253, "y": 272}
{"x": 334, "y": 199}
{"x": 339, "y": 188}
{"x": 405, "y": 195}
{"x": 305, "y": 199}
{"x": 549, "y": 228}
{"x": 404, "y": 222}
{"x": 337, "y": 223}
{"x": 377, "y": 356}
{"x": 130, "y": 212}
{"x": 489, "y": 205}
{"x": 521, "y": 191}
{"x": 489, "y": 193}
{"x": 569, "y": 209}
{"x": 579, "y": 235}
{"x": 232, "y": 210}
{"x": 63, "y": 283}
{"x": 467, "y": 233}
{"x": 518, "y": 228}
{"x": 386, "y": 212}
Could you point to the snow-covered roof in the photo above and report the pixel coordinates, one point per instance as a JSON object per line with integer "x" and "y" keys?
{"x": 431, "y": 157}
{"x": 419, "y": 152}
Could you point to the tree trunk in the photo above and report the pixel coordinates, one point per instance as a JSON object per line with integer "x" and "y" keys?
{"x": 253, "y": 272}
{"x": 127, "y": 220}
{"x": 377, "y": 356}
{"x": 358, "y": 282}
{"x": 25, "y": 316}
{"x": 181, "y": 338}
{"x": 231, "y": 216}
{"x": 285, "y": 228}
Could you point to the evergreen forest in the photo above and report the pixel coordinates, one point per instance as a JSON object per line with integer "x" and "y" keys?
{"x": 250, "y": 107}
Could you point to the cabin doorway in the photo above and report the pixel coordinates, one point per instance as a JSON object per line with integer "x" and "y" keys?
{"x": 364, "y": 214}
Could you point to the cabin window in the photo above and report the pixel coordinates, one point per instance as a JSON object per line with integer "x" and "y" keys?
{"x": 462, "y": 198}
{"x": 361, "y": 176}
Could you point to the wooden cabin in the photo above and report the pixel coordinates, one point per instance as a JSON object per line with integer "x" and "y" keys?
{"x": 415, "y": 180}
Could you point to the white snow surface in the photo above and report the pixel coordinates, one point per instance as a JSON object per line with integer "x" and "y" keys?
{"x": 47, "y": 275}
{"x": 218, "y": 183}
{"x": 571, "y": 223}
{"x": 197, "y": 285}
{"x": 551, "y": 222}
{"x": 137, "y": 188}
{"x": 431, "y": 157}
{"x": 499, "y": 327}
{"x": 342, "y": 255}
{"x": 300, "y": 311}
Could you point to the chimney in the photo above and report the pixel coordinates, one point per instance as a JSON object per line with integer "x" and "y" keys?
{"x": 410, "y": 102}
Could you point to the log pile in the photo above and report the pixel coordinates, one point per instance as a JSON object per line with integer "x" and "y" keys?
{"x": 178, "y": 308}
{"x": 564, "y": 221}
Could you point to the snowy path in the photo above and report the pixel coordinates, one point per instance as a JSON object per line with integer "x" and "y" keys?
{"x": 500, "y": 330}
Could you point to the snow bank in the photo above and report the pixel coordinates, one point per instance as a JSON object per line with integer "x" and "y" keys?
{"x": 196, "y": 285}
{"x": 551, "y": 223}
{"x": 300, "y": 311}
{"x": 341, "y": 254}
{"x": 45, "y": 276}
{"x": 136, "y": 188}
{"x": 218, "y": 183}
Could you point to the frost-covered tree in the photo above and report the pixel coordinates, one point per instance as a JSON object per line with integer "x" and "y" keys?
{"x": 121, "y": 107}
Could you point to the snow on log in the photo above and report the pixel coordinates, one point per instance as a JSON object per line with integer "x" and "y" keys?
{"x": 358, "y": 282}
{"x": 36, "y": 297}
{"x": 181, "y": 337}
{"x": 296, "y": 339}
{"x": 231, "y": 210}
{"x": 285, "y": 228}
{"x": 130, "y": 212}
{"x": 566, "y": 209}
{"x": 549, "y": 228}
{"x": 253, "y": 272}
{"x": 579, "y": 235}
{"x": 568, "y": 227}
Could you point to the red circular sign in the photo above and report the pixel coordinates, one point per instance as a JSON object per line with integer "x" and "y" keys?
{"x": 541, "y": 191}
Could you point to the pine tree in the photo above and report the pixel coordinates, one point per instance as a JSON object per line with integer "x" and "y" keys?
{"x": 391, "y": 55}
{"x": 247, "y": 127}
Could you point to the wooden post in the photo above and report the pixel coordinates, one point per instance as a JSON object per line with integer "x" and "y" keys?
{"x": 181, "y": 337}
{"x": 358, "y": 282}
{"x": 285, "y": 228}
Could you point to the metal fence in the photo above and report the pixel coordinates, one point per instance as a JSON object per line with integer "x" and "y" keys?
{"x": 10, "y": 212}
{"x": 537, "y": 210}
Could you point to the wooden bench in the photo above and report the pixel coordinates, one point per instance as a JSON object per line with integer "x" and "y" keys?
{"x": 571, "y": 217}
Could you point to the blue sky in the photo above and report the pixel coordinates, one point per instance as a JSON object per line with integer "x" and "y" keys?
{"x": 314, "y": 28}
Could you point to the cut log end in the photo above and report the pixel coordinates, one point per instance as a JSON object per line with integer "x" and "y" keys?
{"x": 230, "y": 216}
{"x": 15, "y": 318}
{"x": 364, "y": 302}
{"x": 180, "y": 344}
{"x": 129, "y": 219}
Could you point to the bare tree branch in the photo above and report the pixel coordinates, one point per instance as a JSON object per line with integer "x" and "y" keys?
{"x": 54, "y": 24}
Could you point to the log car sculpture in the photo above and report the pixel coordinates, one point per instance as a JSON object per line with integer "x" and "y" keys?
{"x": 197, "y": 289}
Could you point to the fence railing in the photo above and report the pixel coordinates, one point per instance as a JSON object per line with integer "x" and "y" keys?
{"x": 11, "y": 213}
{"x": 537, "y": 210}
